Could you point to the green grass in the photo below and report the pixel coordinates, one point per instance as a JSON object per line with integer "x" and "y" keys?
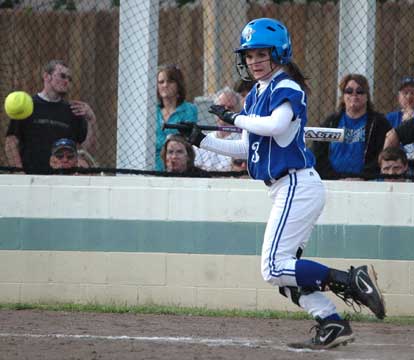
{"x": 174, "y": 310}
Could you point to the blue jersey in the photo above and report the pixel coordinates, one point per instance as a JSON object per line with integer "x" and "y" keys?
{"x": 349, "y": 156}
{"x": 270, "y": 159}
{"x": 394, "y": 118}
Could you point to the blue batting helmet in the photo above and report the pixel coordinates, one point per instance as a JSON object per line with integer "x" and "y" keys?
{"x": 267, "y": 33}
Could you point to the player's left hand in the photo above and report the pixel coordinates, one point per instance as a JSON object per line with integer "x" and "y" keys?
{"x": 191, "y": 132}
{"x": 224, "y": 114}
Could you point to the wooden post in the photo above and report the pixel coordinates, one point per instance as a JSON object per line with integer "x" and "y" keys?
{"x": 221, "y": 37}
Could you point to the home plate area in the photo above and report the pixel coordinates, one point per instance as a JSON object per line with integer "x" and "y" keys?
{"x": 37, "y": 334}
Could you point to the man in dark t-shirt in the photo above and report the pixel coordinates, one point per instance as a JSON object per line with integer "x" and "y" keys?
{"x": 402, "y": 134}
{"x": 29, "y": 141}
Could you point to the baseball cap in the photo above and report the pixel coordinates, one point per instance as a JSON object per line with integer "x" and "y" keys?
{"x": 63, "y": 144}
{"x": 406, "y": 81}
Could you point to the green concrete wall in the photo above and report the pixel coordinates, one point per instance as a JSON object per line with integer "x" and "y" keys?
{"x": 195, "y": 237}
{"x": 187, "y": 242}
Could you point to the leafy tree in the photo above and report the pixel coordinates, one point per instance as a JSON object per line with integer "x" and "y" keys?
{"x": 8, "y": 4}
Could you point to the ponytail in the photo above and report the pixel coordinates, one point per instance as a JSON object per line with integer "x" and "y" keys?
{"x": 293, "y": 70}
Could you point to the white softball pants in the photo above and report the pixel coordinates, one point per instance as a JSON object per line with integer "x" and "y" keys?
{"x": 298, "y": 200}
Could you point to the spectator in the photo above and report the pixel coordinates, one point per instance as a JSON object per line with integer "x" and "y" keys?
{"x": 212, "y": 161}
{"x": 243, "y": 87}
{"x": 393, "y": 161}
{"x": 86, "y": 160}
{"x": 406, "y": 102}
{"x": 402, "y": 134}
{"x": 64, "y": 154}
{"x": 29, "y": 142}
{"x": 406, "y": 112}
{"x": 365, "y": 131}
{"x": 178, "y": 156}
{"x": 172, "y": 107}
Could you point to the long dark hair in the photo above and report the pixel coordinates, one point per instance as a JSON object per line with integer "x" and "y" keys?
{"x": 175, "y": 74}
{"x": 294, "y": 71}
{"x": 362, "y": 81}
{"x": 188, "y": 147}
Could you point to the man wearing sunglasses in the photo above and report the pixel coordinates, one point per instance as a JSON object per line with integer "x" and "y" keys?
{"x": 29, "y": 141}
{"x": 365, "y": 129}
{"x": 64, "y": 154}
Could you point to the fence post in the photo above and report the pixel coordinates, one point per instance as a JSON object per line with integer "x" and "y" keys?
{"x": 138, "y": 55}
{"x": 221, "y": 37}
{"x": 357, "y": 38}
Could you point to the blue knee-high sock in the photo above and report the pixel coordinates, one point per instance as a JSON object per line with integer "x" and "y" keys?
{"x": 310, "y": 273}
{"x": 333, "y": 317}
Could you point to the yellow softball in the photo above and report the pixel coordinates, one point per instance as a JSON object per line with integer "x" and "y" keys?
{"x": 18, "y": 105}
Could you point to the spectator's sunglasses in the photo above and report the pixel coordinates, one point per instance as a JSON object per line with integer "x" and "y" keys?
{"x": 358, "y": 91}
{"x": 64, "y": 76}
{"x": 61, "y": 154}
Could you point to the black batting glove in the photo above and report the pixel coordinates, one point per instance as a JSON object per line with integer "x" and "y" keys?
{"x": 191, "y": 132}
{"x": 224, "y": 114}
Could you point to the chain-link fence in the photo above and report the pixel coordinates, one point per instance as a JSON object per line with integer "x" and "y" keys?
{"x": 114, "y": 48}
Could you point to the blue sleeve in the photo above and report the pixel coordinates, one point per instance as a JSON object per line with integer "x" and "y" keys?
{"x": 394, "y": 118}
{"x": 296, "y": 98}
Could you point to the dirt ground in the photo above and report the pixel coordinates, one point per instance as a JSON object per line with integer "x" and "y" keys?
{"x": 28, "y": 334}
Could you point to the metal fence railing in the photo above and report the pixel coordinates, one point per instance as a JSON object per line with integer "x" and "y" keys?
{"x": 199, "y": 37}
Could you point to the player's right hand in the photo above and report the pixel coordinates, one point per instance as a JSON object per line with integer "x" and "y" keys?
{"x": 221, "y": 112}
{"x": 191, "y": 132}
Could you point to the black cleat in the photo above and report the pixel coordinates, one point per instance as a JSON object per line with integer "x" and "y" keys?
{"x": 358, "y": 285}
{"x": 329, "y": 334}
{"x": 366, "y": 291}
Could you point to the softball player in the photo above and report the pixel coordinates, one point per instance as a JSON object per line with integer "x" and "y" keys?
{"x": 273, "y": 121}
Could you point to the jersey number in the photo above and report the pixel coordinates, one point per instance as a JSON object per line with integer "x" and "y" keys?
{"x": 255, "y": 148}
